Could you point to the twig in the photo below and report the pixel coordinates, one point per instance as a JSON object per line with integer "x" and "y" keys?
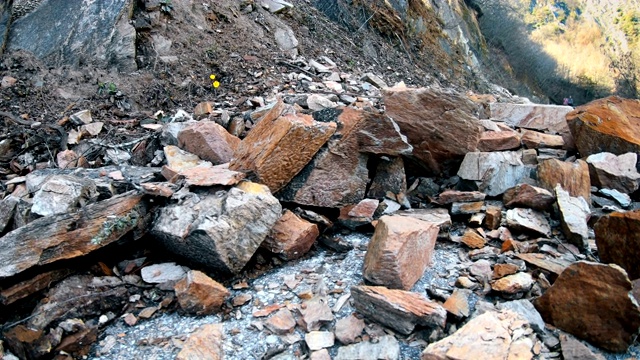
{"x": 295, "y": 67}
{"x": 366, "y": 21}
{"x": 123, "y": 145}
{"x": 16, "y": 119}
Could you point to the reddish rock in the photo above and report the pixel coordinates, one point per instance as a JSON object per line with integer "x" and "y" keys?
{"x": 281, "y": 323}
{"x": 513, "y": 284}
{"x": 315, "y": 313}
{"x": 458, "y": 303}
{"x": 348, "y": 329}
{"x": 502, "y": 270}
{"x": 291, "y": 236}
{"x": 614, "y": 172}
{"x": 203, "y": 109}
{"x": 204, "y": 343}
{"x": 210, "y": 176}
{"x": 360, "y": 214}
{"x": 618, "y": 240}
{"x": 473, "y": 239}
{"x": 380, "y": 134}
{"x": 397, "y": 309}
{"x": 275, "y": 150}
{"x": 528, "y": 196}
{"x": 610, "y": 125}
{"x": 466, "y": 208}
{"x": 499, "y": 140}
{"x": 593, "y": 302}
{"x": 442, "y": 125}
{"x": 389, "y": 177}
{"x": 209, "y": 141}
{"x": 493, "y": 217}
{"x": 573, "y": 177}
{"x": 199, "y": 294}
{"x": 451, "y": 196}
{"x": 399, "y": 251}
{"x": 537, "y": 140}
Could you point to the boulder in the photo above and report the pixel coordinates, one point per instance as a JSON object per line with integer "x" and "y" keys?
{"x": 442, "y": 125}
{"x": 536, "y": 140}
{"x": 528, "y": 196}
{"x": 528, "y": 220}
{"x": 573, "y": 177}
{"x": 61, "y": 194}
{"x": 398, "y": 309}
{"x": 574, "y": 214}
{"x": 209, "y": 141}
{"x": 199, "y": 294}
{"x": 610, "y": 125}
{"x": 399, "y": 251}
{"x": 275, "y": 150}
{"x": 618, "y": 240}
{"x": 495, "y": 172}
{"x": 491, "y": 336}
{"x": 206, "y": 342}
{"x": 503, "y": 139}
{"x": 221, "y": 231}
{"x": 389, "y": 177}
{"x": 614, "y": 172}
{"x": 593, "y": 302}
{"x": 291, "y": 236}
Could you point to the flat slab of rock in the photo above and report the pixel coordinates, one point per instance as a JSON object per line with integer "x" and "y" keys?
{"x": 348, "y": 329}
{"x": 499, "y": 140}
{"x": 179, "y": 160}
{"x": 528, "y": 220}
{"x": 451, "y": 196}
{"x": 618, "y": 240}
{"x": 437, "y": 216}
{"x": 442, "y": 125}
{"x": 593, "y": 302}
{"x": 574, "y": 214}
{"x": 291, "y": 237}
{"x": 492, "y": 336}
{"x": 209, "y": 141}
{"x": 398, "y": 309}
{"x": 528, "y": 196}
{"x": 387, "y": 347}
{"x": 537, "y": 140}
{"x": 161, "y": 273}
{"x": 210, "y": 176}
{"x": 573, "y": 177}
{"x": 399, "y": 251}
{"x": 493, "y": 172}
{"x": 204, "y": 343}
{"x": 554, "y": 265}
{"x": 612, "y": 171}
{"x": 573, "y": 349}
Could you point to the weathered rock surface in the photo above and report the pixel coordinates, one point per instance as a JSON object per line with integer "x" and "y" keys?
{"x": 348, "y": 329}
{"x": 513, "y": 284}
{"x": 209, "y": 141}
{"x": 399, "y": 251}
{"x": 315, "y": 313}
{"x": 528, "y": 196}
{"x": 504, "y": 139}
{"x": 179, "y": 160}
{"x": 610, "y": 125}
{"x": 389, "y": 176}
{"x": 437, "y": 216}
{"x": 525, "y": 309}
{"x": 60, "y": 194}
{"x": 618, "y": 240}
{"x": 204, "y": 343}
{"x": 592, "y": 301}
{"x": 451, "y": 196}
{"x": 387, "y": 347}
{"x": 221, "y": 231}
{"x": 276, "y": 149}
{"x": 291, "y": 236}
{"x": 537, "y": 140}
{"x": 573, "y": 177}
{"x": 573, "y": 349}
{"x": 317, "y": 340}
{"x": 458, "y": 303}
{"x": 528, "y": 220}
{"x": 614, "y": 172}
{"x": 495, "y": 172}
{"x": 547, "y": 118}
{"x": 162, "y": 273}
{"x": 362, "y": 213}
{"x": 210, "y": 176}
{"x": 442, "y": 125}
{"x": 574, "y": 214}
{"x": 199, "y": 294}
{"x": 492, "y": 335}
{"x": 397, "y": 309}
{"x": 282, "y": 322}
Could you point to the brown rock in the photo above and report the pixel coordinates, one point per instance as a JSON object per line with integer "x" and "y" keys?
{"x": 493, "y": 216}
{"x": 291, "y": 237}
{"x": 451, "y": 196}
{"x": 513, "y": 284}
{"x": 203, "y": 109}
{"x": 380, "y": 134}
{"x": 458, "y": 303}
{"x": 528, "y": 196}
{"x": 199, "y": 294}
{"x": 554, "y": 265}
{"x": 618, "y": 240}
{"x": 389, "y": 176}
{"x": 573, "y": 349}
{"x": 442, "y": 125}
{"x": 466, "y": 208}
{"x": 502, "y": 270}
{"x": 499, "y": 140}
{"x": 282, "y": 322}
{"x": 210, "y": 176}
{"x": 360, "y": 214}
{"x": 610, "y": 125}
{"x": 536, "y": 140}
{"x": 204, "y": 344}
{"x": 276, "y": 150}
{"x": 348, "y": 329}
{"x": 209, "y": 141}
{"x": 592, "y": 301}
{"x": 398, "y": 309}
{"x": 473, "y": 239}
{"x": 573, "y": 177}
{"x": 399, "y": 251}
{"x": 315, "y": 313}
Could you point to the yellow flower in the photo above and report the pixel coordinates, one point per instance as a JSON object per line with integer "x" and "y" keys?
{"x": 212, "y": 77}
{"x": 216, "y": 84}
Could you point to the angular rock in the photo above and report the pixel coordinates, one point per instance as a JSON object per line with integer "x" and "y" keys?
{"x": 610, "y": 125}
{"x": 317, "y": 340}
{"x": 275, "y": 150}
{"x": 399, "y": 251}
{"x": 360, "y": 214}
{"x": 221, "y": 231}
{"x": 199, "y": 294}
{"x": 614, "y": 172}
{"x": 618, "y": 240}
{"x": 573, "y": 177}
{"x": 493, "y": 217}
{"x": 315, "y": 313}
{"x": 621, "y": 198}
{"x": 593, "y": 302}
{"x": 525, "y": 309}
{"x": 61, "y": 194}
{"x": 528, "y": 220}
{"x": 281, "y": 323}
{"x": 495, "y": 172}
{"x": 317, "y": 102}
{"x": 492, "y": 336}
{"x": 209, "y": 141}
{"x": 528, "y": 196}
{"x": 536, "y": 140}
{"x": 573, "y": 349}
{"x": 179, "y": 160}
{"x": 397, "y": 309}
{"x": 437, "y": 216}
{"x": 502, "y": 270}
{"x": 348, "y": 329}
{"x": 291, "y": 237}
{"x": 387, "y": 347}
{"x": 473, "y": 239}
{"x": 379, "y": 134}
{"x": 467, "y": 208}
{"x": 442, "y": 125}
{"x": 161, "y": 273}
{"x": 574, "y": 214}
{"x": 504, "y": 139}
{"x": 374, "y": 80}
{"x": 204, "y": 343}
{"x": 210, "y": 176}
{"x": 390, "y": 177}
{"x": 451, "y": 196}
{"x": 7, "y": 207}
{"x": 551, "y": 264}
{"x": 458, "y": 303}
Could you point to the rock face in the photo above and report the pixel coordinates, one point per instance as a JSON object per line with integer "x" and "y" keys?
{"x": 494, "y": 172}
{"x": 398, "y": 309}
{"x": 573, "y": 177}
{"x": 93, "y": 32}
{"x": 442, "y": 125}
{"x": 291, "y": 237}
{"x": 504, "y": 139}
{"x": 492, "y": 336}
{"x": 606, "y": 125}
{"x": 618, "y": 240}
{"x": 208, "y": 140}
{"x": 276, "y": 149}
{"x": 221, "y": 231}
{"x": 593, "y": 302}
{"x": 399, "y": 251}
{"x": 198, "y": 294}
{"x": 574, "y": 214}
{"x": 614, "y": 172}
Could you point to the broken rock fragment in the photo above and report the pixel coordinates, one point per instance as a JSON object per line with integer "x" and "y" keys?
{"x": 614, "y": 172}
{"x": 291, "y": 236}
{"x": 574, "y": 214}
{"x": 573, "y": 177}
{"x": 204, "y": 343}
{"x": 528, "y": 220}
{"x": 618, "y": 240}
{"x": 199, "y": 294}
{"x": 493, "y": 172}
{"x": 61, "y": 194}
{"x": 528, "y": 196}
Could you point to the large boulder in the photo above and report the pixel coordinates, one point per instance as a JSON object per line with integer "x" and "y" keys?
{"x": 618, "y": 240}
{"x": 614, "y": 172}
{"x": 610, "y": 125}
{"x": 573, "y": 177}
{"x": 221, "y": 231}
{"x": 574, "y": 214}
{"x": 442, "y": 125}
{"x": 494, "y": 172}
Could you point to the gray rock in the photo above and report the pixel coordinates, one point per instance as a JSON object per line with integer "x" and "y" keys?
{"x": 60, "y": 194}
{"x": 161, "y": 273}
{"x": 7, "y": 207}
{"x": 386, "y": 348}
{"x": 612, "y": 171}
{"x": 494, "y": 172}
{"x": 92, "y": 32}
{"x": 276, "y": 6}
{"x": 526, "y": 309}
{"x": 286, "y": 40}
{"x": 574, "y": 214}
{"x": 375, "y": 80}
{"x": 621, "y": 198}
{"x": 171, "y": 130}
{"x": 528, "y": 220}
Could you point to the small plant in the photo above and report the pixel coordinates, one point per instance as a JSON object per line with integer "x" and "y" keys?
{"x": 166, "y": 6}
{"x": 107, "y": 87}
{"x": 215, "y": 83}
